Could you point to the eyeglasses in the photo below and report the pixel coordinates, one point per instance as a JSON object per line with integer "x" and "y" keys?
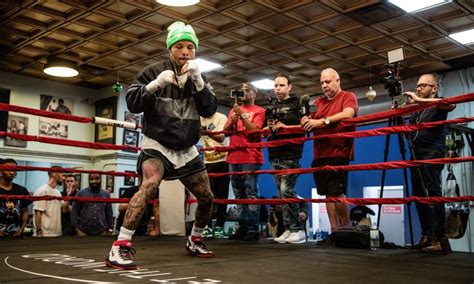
{"x": 424, "y": 85}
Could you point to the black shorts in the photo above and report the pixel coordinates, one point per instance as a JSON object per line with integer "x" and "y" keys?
{"x": 191, "y": 167}
{"x": 331, "y": 183}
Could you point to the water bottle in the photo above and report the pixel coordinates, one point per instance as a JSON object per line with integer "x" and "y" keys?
{"x": 374, "y": 237}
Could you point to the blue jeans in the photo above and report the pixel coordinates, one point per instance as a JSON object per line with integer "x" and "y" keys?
{"x": 245, "y": 187}
{"x": 286, "y": 189}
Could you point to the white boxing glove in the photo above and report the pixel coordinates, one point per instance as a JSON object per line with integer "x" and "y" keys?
{"x": 164, "y": 79}
{"x": 195, "y": 74}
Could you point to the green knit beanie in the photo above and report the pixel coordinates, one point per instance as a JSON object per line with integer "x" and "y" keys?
{"x": 178, "y": 31}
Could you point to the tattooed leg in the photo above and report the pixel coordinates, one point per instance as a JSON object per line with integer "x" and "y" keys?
{"x": 199, "y": 185}
{"x": 153, "y": 171}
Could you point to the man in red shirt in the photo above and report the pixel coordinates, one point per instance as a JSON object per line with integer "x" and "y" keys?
{"x": 335, "y": 106}
{"x": 247, "y": 116}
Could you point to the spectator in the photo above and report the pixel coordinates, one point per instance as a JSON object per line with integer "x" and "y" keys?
{"x": 92, "y": 218}
{"x": 13, "y": 212}
{"x": 285, "y": 114}
{"x": 247, "y": 116}
{"x": 70, "y": 190}
{"x": 216, "y": 163}
{"x": 335, "y": 106}
{"x": 48, "y": 212}
{"x": 429, "y": 143}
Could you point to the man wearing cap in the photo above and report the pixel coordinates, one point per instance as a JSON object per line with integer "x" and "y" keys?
{"x": 172, "y": 95}
{"x": 247, "y": 116}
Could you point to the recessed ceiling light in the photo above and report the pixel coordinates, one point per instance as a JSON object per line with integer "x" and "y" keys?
{"x": 413, "y": 6}
{"x": 207, "y": 66}
{"x": 464, "y": 37}
{"x": 60, "y": 68}
{"x": 178, "y": 3}
{"x": 264, "y": 84}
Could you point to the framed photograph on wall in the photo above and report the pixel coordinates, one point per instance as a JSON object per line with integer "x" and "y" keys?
{"x": 130, "y": 138}
{"x": 56, "y": 104}
{"x": 18, "y": 125}
{"x": 106, "y": 108}
{"x": 109, "y": 184}
{"x": 55, "y": 127}
{"x": 129, "y": 181}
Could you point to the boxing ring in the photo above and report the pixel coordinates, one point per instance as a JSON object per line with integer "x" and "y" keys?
{"x": 163, "y": 259}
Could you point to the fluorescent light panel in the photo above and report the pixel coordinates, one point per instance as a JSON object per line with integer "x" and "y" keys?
{"x": 207, "y": 66}
{"x": 413, "y": 6}
{"x": 464, "y": 37}
{"x": 178, "y": 3}
{"x": 265, "y": 84}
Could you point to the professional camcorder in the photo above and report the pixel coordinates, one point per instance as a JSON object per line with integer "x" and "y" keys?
{"x": 391, "y": 82}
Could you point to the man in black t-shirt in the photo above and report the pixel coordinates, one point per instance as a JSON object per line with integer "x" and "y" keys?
{"x": 429, "y": 144}
{"x": 285, "y": 113}
{"x": 13, "y": 212}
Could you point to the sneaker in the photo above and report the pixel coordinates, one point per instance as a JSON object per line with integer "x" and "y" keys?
{"x": 281, "y": 239}
{"x": 207, "y": 233}
{"x": 196, "y": 247}
{"x": 121, "y": 256}
{"x": 297, "y": 237}
{"x": 425, "y": 241}
{"x": 238, "y": 235}
{"x": 252, "y": 236}
{"x": 218, "y": 232}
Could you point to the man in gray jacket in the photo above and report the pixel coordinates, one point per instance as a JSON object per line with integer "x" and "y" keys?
{"x": 172, "y": 95}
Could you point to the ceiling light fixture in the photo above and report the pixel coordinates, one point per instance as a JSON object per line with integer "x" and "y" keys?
{"x": 178, "y": 3}
{"x": 207, "y": 66}
{"x": 464, "y": 37}
{"x": 60, "y": 68}
{"x": 418, "y": 5}
{"x": 370, "y": 94}
{"x": 265, "y": 84}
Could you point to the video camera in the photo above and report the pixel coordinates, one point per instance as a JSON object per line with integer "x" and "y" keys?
{"x": 271, "y": 112}
{"x": 391, "y": 82}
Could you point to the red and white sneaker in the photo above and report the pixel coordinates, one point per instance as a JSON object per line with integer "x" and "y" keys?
{"x": 121, "y": 256}
{"x": 196, "y": 247}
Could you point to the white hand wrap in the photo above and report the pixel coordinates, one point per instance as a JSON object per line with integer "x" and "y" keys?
{"x": 164, "y": 79}
{"x": 195, "y": 74}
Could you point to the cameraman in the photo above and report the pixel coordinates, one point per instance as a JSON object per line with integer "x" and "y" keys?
{"x": 336, "y": 105}
{"x": 285, "y": 113}
{"x": 247, "y": 116}
{"x": 429, "y": 144}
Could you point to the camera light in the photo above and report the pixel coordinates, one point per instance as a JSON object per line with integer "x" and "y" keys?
{"x": 371, "y": 94}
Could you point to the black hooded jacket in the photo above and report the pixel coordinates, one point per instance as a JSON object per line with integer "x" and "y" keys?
{"x": 171, "y": 114}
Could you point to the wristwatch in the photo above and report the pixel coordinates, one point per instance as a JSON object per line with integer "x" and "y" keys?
{"x": 327, "y": 121}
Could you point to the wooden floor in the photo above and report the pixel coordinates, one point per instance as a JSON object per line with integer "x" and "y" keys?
{"x": 163, "y": 260}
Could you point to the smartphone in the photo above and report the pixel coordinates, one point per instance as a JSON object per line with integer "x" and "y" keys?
{"x": 236, "y": 93}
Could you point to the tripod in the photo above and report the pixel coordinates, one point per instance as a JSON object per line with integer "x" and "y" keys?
{"x": 395, "y": 122}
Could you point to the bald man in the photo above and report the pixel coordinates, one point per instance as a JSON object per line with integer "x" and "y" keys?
{"x": 335, "y": 106}
{"x": 429, "y": 144}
